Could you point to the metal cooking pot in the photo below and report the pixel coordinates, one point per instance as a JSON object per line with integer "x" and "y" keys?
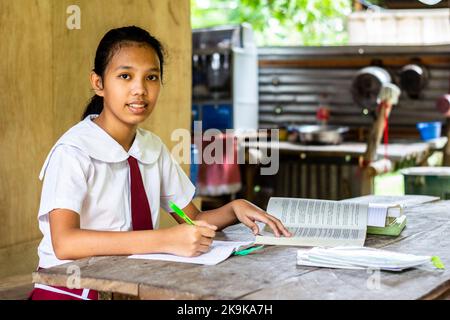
{"x": 366, "y": 85}
{"x": 413, "y": 78}
{"x": 315, "y": 134}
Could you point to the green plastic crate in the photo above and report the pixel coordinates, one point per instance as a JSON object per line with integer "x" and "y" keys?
{"x": 432, "y": 181}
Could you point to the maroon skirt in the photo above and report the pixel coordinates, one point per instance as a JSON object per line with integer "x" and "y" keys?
{"x": 45, "y": 292}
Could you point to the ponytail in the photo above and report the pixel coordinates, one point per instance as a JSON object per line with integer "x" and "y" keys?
{"x": 95, "y": 106}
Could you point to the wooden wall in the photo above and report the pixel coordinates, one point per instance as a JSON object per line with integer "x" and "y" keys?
{"x": 45, "y": 86}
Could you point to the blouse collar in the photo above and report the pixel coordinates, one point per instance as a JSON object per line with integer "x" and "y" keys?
{"x": 98, "y": 144}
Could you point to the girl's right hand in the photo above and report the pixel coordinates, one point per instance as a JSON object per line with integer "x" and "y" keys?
{"x": 191, "y": 240}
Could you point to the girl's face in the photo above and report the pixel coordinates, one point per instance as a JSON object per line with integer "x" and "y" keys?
{"x": 131, "y": 84}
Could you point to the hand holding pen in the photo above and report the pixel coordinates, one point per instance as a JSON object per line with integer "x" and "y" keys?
{"x": 192, "y": 238}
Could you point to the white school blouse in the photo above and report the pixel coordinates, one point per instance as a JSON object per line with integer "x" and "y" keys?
{"x": 87, "y": 172}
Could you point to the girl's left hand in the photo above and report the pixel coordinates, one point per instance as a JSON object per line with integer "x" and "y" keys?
{"x": 248, "y": 213}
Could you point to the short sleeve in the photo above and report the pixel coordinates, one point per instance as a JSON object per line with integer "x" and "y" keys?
{"x": 65, "y": 180}
{"x": 175, "y": 184}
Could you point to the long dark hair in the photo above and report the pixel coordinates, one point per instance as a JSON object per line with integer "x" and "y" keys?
{"x": 108, "y": 46}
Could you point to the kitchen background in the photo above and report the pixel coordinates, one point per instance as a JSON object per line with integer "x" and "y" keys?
{"x": 400, "y": 42}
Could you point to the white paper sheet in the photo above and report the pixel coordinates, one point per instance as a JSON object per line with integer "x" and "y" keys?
{"x": 357, "y": 257}
{"x": 219, "y": 251}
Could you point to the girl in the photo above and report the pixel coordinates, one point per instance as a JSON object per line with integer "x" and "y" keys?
{"x": 105, "y": 178}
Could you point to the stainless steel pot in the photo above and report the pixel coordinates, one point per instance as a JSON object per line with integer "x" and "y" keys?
{"x": 315, "y": 134}
{"x": 413, "y": 78}
{"x": 366, "y": 85}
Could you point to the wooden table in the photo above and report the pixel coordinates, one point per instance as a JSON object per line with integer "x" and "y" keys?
{"x": 272, "y": 273}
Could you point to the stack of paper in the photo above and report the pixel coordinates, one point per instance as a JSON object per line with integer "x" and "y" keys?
{"x": 359, "y": 258}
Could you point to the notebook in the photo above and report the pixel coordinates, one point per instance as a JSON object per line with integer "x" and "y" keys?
{"x": 219, "y": 251}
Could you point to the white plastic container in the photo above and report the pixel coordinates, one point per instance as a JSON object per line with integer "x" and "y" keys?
{"x": 401, "y": 27}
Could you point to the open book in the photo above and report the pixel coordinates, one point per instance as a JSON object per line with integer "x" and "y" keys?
{"x": 317, "y": 222}
{"x": 338, "y": 223}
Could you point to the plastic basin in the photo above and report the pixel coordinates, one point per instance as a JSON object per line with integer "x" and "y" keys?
{"x": 429, "y": 130}
{"x": 432, "y": 181}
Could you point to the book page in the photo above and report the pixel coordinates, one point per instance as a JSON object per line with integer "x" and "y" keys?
{"x": 317, "y": 222}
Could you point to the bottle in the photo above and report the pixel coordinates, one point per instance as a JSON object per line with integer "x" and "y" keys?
{"x": 323, "y": 115}
{"x": 323, "y": 111}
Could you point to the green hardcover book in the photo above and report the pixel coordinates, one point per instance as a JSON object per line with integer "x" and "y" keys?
{"x": 393, "y": 227}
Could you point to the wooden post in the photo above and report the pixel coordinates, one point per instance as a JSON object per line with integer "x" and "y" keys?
{"x": 447, "y": 147}
{"x": 377, "y": 131}
{"x": 443, "y": 105}
{"x": 387, "y": 97}
{"x": 250, "y": 171}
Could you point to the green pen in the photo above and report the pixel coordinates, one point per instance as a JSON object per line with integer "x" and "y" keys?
{"x": 180, "y": 213}
{"x": 248, "y": 250}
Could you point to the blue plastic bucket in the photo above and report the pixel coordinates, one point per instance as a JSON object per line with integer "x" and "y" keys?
{"x": 429, "y": 130}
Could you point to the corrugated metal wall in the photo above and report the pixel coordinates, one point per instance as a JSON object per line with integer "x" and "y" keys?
{"x": 294, "y": 81}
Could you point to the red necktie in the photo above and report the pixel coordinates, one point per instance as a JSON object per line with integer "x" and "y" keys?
{"x": 141, "y": 217}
